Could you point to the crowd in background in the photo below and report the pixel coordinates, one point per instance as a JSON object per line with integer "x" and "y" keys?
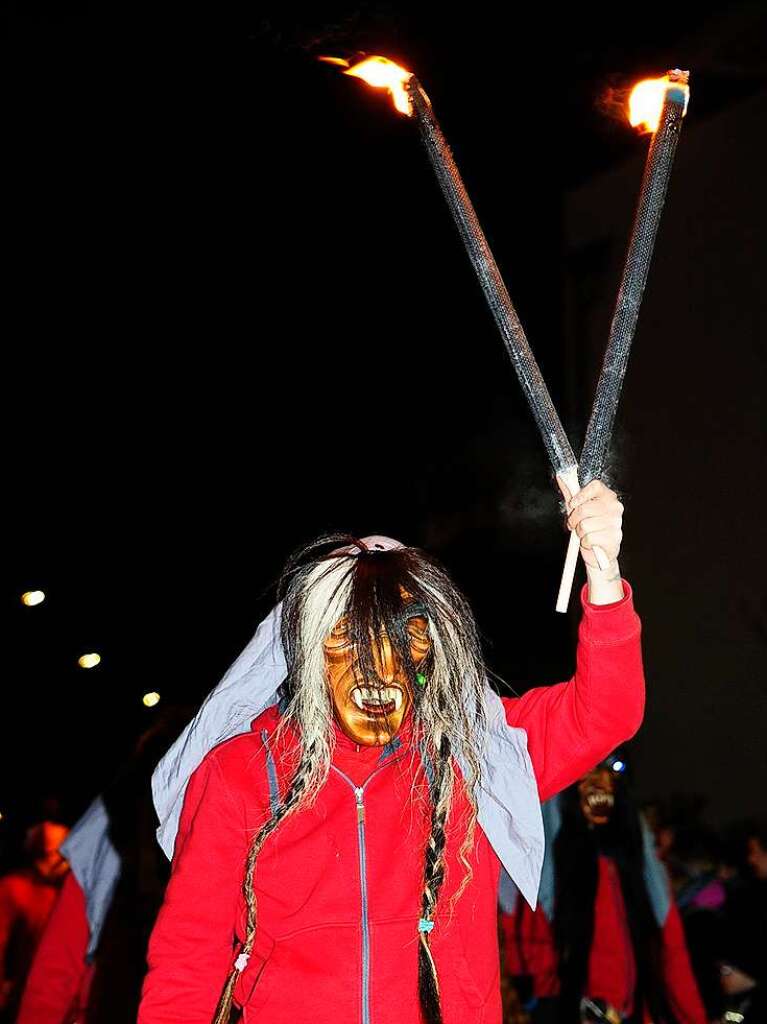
{"x": 719, "y": 880}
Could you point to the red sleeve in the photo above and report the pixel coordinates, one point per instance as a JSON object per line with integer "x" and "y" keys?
{"x": 59, "y": 968}
{"x": 572, "y": 726}
{"x": 681, "y": 988}
{"x": 192, "y": 946}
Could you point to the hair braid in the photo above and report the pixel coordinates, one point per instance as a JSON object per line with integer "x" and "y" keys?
{"x": 434, "y": 875}
{"x": 293, "y": 797}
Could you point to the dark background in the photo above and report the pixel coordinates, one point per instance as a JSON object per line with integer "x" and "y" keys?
{"x": 237, "y": 315}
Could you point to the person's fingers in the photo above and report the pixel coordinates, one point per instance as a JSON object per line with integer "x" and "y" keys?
{"x": 610, "y": 514}
{"x": 609, "y": 540}
{"x": 591, "y": 492}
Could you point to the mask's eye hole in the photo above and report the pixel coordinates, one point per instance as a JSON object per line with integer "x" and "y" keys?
{"x": 339, "y": 637}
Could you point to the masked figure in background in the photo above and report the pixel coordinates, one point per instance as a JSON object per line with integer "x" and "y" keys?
{"x": 606, "y": 941}
{"x": 27, "y": 897}
{"x": 339, "y": 861}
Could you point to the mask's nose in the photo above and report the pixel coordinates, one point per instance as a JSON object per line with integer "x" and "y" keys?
{"x": 385, "y": 660}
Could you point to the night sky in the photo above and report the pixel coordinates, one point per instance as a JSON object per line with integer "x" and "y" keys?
{"x": 237, "y": 315}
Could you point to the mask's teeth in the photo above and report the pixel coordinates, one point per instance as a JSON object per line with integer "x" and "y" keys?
{"x": 600, "y": 799}
{"x": 391, "y": 694}
{"x": 362, "y": 695}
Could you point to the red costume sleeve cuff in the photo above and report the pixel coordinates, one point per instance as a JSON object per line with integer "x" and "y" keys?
{"x": 609, "y": 623}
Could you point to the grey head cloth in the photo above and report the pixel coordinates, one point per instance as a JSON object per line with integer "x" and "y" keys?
{"x": 508, "y": 806}
{"x": 95, "y": 864}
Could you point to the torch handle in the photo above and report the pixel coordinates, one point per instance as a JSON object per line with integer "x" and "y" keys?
{"x": 570, "y": 477}
{"x": 568, "y": 572}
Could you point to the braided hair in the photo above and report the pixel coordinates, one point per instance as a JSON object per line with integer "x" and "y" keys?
{"x": 434, "y": 876}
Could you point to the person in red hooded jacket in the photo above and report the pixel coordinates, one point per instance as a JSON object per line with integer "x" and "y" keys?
{"x": 340, "y": 861}
{"x": 606, "y": 940}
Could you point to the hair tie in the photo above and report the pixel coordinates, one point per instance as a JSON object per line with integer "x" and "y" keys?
{"x": 241, "y": 962}
{"x": 424, "y": 925}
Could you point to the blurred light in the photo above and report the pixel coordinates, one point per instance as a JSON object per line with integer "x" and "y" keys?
{"x": 151, "y": 699}
{"x": 619, "y": 766}
{"x": 89, "y": 660}
{"x": 1, "y": 815}
{"x": 32, "y": 598}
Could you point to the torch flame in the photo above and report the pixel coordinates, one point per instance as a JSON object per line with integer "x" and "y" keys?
{"x": 647, "y": 99}
{"x": 381, "y": 73}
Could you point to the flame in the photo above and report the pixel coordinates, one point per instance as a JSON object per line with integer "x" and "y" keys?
{"x": 647, "y": 99}
{"x": 381, "y": 73}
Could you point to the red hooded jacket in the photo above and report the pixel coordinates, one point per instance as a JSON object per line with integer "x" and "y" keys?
{"x": 339, "y": 884}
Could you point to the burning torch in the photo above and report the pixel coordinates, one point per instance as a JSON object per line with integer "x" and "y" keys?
{"x": 659, "y": 105}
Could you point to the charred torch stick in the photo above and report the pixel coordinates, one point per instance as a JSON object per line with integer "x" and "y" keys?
{"x": 660, "y": 105}
{"x": 410, "y": 99}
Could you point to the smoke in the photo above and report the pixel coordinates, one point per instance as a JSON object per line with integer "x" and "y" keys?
{"x": 346, "y": 28}
{"x": 612, "y": 102}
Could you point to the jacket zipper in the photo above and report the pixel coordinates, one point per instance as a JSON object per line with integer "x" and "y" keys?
{"x": 359, "y": 798}
{"x": 359, "y": 794}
